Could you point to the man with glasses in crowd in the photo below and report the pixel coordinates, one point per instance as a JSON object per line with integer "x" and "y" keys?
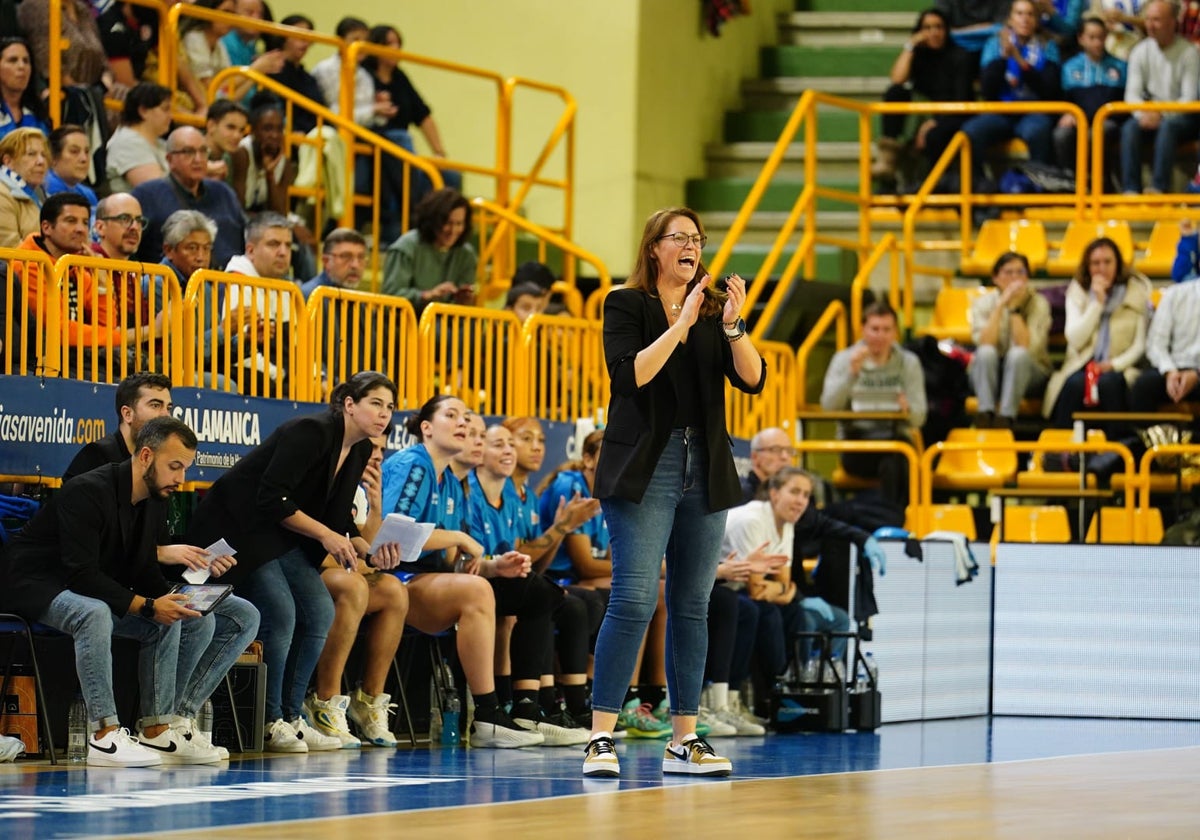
{"x": 119, "y": 225}
{"x": 770, "y": 451}
{"x": 185, "y": 187}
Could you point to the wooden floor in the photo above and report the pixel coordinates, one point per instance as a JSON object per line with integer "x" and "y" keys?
{"x": 960, "y": 778}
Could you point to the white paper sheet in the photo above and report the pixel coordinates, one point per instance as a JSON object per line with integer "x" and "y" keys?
{"x": 218, "y": 549}
{"x": 408, "y": 532}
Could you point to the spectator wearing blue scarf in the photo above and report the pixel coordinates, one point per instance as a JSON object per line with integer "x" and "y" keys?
{"x": 1017, "y": 65}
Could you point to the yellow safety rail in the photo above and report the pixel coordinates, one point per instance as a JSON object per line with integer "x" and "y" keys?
{"x": 473, "y": 353}
{"x": 904, "y": 448}
{"x": 119, "y": 341}
{"x": 563, "y": 375}
{"x": 1149, "y": 206}
{"x": 933, "y": 452}
{"x": 349, "y": 331}
{"x": 835, "y": 314}
{"x": 747, "y": 414}
{"x": 24, "y": 354}
{"x": 246, "y": 334}
{"x": 1146, "y": 467}
{"x": 861, "y": 281}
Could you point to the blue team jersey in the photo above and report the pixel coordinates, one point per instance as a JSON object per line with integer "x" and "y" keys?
{"x": 529, "y": 523}
{"x": 495, "y": 528}
{"x": 411, "y": 487}
{"x": 564, "y": 486}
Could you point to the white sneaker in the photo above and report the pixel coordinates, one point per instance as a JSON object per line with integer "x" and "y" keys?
{"x": 120, "y": 749}
{"x": 717, "y": 728}
{"x": 281, "y": 736}
{"x": 740, "y": 725}
{"x": 555, "y": 731}
{"x": 177, "y": 745}
{"x": 316, "y": 740}
{"x": 600, "y": 758}
{"x": 696, "y": 758}
{"x": 370, "y": 716}
{"x": 503, "y": 734}
{"x": 202, "y": 738}
{"x": 329, "y": 718}
{"x": 742, "y": 710}
{"x": 10, "y": 748}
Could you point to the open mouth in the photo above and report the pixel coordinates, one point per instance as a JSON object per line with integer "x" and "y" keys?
{"x": 687, "y": 262}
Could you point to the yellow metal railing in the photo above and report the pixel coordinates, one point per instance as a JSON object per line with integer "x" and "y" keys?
{"x": 564, "y": 376}
{"x": 747, "y": 414}
{"x": 906, "y": 449}
{"x": 1146, "y": 468}
{"x": 349, "y": 331}
{"x": 472, "y": 352}
{"x": 32, "y": 308}
{"x": 835, "y": 315}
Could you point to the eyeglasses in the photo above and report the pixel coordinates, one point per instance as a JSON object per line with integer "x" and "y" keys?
{"x": 126, "y": 219}
{"x": 775, "y": 450}
{"x": 189, "y": 152}
{"x": 681, "y": 239}
{"x": 348, "y": 256}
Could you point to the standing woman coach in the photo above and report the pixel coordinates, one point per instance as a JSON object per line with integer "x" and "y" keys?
{"x": 666, "y": 476}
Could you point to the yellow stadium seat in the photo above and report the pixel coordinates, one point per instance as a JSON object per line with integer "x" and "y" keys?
{"x": 1037, "y": 477}
{"x": 1114, "y": 526}
{"x": 958, "y": 518}
{"x": 1156, "y": 262}
{"x": 975, "y": 469}
{"x": 1079, "y": 235}
{"x": 1036, "y": 524}
{"x": 997, "y": 236}
{"x": 952, "y": 313}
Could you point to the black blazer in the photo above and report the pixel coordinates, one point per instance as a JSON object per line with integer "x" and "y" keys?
{"x": 107, "y": 450}
{"x": 292, "y": 470}
{"x": 89, "y": 539}
{"x": 640, "y": 419}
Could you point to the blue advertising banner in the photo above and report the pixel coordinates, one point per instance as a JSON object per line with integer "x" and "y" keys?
{"x": 45, "y": 422}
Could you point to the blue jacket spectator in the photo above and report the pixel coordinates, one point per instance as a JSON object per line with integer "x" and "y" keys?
{"x": 1091, "y": 79}
{"x": 1187, "y": 253}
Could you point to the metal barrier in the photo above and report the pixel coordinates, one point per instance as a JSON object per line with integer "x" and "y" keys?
{"x": 350, "y": 331}
{"x": 471, "y": 352}
{"x": 933, "y": 452}
{"x": 835, "y": 313}
{"x": 246, "y": 334}
{"x": 906, "y": 449}
{"x": 29, "y": 337}
{"x": 563, "y": 376}
{"x": 747, "y": 414}
{"x": 1145, "y": 468}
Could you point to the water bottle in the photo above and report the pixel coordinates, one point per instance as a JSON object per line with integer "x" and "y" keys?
{"x": 204, "y": 720}
{"x": 450, "y": 737}
{"x": 872, "y": 668}
{"x": 77, "y": 726}
{"x": 862, "y": 681}
{"x": 435, "y": 713}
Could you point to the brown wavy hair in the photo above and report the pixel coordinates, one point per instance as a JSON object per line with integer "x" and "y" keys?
{"x": 645, "y": 271}
{"x": 1084, "y": 277}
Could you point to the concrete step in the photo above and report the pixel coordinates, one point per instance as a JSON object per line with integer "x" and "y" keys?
{"x": 780, "y": 93}
{"x": 705, "y": 194}
{"x": 833, "y": 125}
{"x": 836, "y": 160}
{"x": 747, "y": 258}
{"x": 848, "y": 29}
{"x": 792, "y": 60}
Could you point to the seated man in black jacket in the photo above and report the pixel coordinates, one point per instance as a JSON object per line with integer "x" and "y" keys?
{"x": 141, "y": 397}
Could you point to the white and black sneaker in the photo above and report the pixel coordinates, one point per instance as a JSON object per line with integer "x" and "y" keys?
{"x": 120, "y": 749}
{"x": 315, "y": 739}
{"x": 695, "y": 757}
{"x": 558, "y": 730}
{"x": 281, "y": 736}
{"x": 176, "y": 745}
{"x": 502, "y": 733}
{"x": 600, "y": 758}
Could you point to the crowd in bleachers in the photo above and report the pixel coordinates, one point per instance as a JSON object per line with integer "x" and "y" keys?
{"x": 1047, "y": 51}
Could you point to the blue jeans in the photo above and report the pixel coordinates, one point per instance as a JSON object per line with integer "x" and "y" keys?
{"x": 1174, "y": 129}
{"x": 815, "y": 623}
{"x": 91, "y": 624}
{"x": 208, "y": 647}
{"x": 986, "y": 130}
{"x": 672, "y": 519}
{"x": 297, "y": 612}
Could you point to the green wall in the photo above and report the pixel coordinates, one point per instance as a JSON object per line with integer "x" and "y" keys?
{"x": 650, "y": 85}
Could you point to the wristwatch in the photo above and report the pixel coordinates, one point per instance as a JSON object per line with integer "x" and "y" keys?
{"x": 147, "y": 610}
{"x": 739, "y": 327}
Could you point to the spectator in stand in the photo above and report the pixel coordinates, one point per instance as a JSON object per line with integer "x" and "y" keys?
{"x": 525, "y": 301}
{"x": 1090, "y": 79}
{"x": 434, "y": 261}
{"x": 1187, "y": 253}
{"x": 23, "y": 166}
{"x": 118, "y": 228}
{"x": 119, "y": 224}
{"x": 1010, "y": 327}
{"x": 129, "y": 35}
{"x": 1123, "y": 20}
{"x": 224, "y": 128}
{"x": 293, "y": 73}
{"x": 1018, "y": 64}
{"x": 20, "y": 106}
{"x": 343, "y": 257}
{"x": 85, "y": 62}
{"x": 366, "y": 343}
{"x": 877, "y": 374}
{"x": 1162, "y": 68}
{"x": 187, "y": 247}
{"x": 205, "y": 47}
{"x": 770, "y": 451}
{"x": 932, "y": 67}
{"x": 328, "y": 73}
{"x": 1108, "y": 307}
{"x": 1061, "y": 16}
{"x": 242, "y": 44}
{"x": 405, "y": 108}
{"x": 186, "y": 188}
{"x": 70, "y": 163}
{"x": 973, "y": 22}
{"x": 136, "y": 151}
{"x": 1172, "y": 350}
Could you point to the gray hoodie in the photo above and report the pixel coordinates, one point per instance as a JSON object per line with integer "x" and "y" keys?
{"x": 876, "y": 388}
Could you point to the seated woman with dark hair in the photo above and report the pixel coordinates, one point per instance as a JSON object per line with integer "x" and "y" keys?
{"x": 434, "y": 261}
{"x": 20, "y": 106}
{"x": 70, "y": 162}
{"x": 137, "y": 152}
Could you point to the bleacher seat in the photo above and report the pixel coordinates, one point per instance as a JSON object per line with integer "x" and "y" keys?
{"x": 1079, "y": 235}
{"x": 958, "y": 518}
{"x": 997, "y": 236}
{"x": 952, "y": 313}
{"x": 1037, "y": 476}
{"x": 1114, "y": 526}
{"x": 1028, "y": 407}
{"x": 1036, "y": 524}
{"x": 1156, "y": 262}
{"x": 975, "y": 469}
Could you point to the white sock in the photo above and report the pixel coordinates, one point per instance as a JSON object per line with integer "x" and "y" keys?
{"x": 734, "y": 698}
{"x": 718, "y": 696}
{"x": 597, "y": 735}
